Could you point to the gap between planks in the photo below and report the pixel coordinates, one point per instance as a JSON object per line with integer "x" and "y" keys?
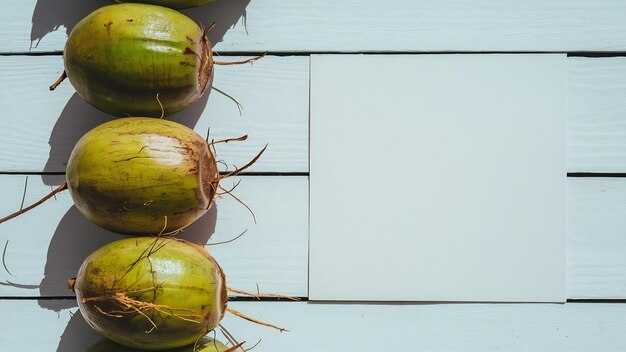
{"x": 591, "y": 54}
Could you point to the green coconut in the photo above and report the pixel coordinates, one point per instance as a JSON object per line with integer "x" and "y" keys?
{"x": 175, "y": 4}
{"x": 205, "y": 344}
{"x": 151, "y": 292}
{"x": 138, "y": 59}
{"x": 142, "y": 176}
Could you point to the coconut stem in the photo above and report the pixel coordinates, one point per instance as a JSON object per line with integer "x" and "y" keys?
{"x": 245, "y": 317}
{"x": 226, "y": 63}
{"x": 235, "y": 348}
{"x": 260, "y": 295}
{"x": 71, "y": 283}
{"x": 230, "y": 337}
{"x": 234, "y": 139}
{"x": 45, "y": 198}
{"x": 243, "y": 168}
{"x": 58, "y": 81}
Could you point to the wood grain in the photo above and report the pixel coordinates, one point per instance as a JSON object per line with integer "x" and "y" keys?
{"x": 274, "y": 93}
{"x": 596, "y": 239}
{"x": 359, "y": 327}
{"x": 597, "y": 115}
{"x": 356, "y": 26}
{"x": 40, "y": 127}
{"x": 46, "y": 246}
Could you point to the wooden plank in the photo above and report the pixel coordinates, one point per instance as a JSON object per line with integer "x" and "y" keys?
{"x": 47, "y": 245}
{"x": 274, "y": 93}
{"x": 596, "y": 238}
{"x": 356, "y": 26}
{"x": 359, "y": 327}
{"x": 597, "y": 123}
{"x": 41, "y": 127}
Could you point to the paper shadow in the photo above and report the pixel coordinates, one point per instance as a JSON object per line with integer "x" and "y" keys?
{"x": 76, "y": 237}
{"x": 51, "y": 15}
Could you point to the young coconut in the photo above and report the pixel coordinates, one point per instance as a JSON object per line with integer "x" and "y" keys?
{"x": 151, "y": 292}
{"x": 138, "y": 60}
{"x": 205, "y": 344}
{"x": 175, "y": 4}
{"x": 143, "y": 176}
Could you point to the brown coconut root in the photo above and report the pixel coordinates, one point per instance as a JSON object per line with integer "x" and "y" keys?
{"x": 226, "y": 63}
{"x": 37, "y": 203}
{"x": 231, "y": 338}
{"x": 262, "y": 295}
{"x": 130, "y": 305}
{"x": 236, "y": 347}
{"x": 236, "y": 172}
{"x": 59, "y": 80}
{"x": 245, "y": 317}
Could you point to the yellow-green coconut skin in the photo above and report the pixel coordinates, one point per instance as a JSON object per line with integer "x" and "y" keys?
{"x": 151, "y": 293}
{"x": 142, "y": 176}
{"x": 205, "y": 344}
{"x": 121, "y": 56}
{"x": 175, "y": 4}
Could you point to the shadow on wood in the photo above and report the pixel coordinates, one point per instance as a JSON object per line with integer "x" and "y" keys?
{"x": 224, "y": 13}
{"x": 77, "y": 336}
{"x": 78, "y": 117}
{"x": 50, "y": 15}
{"x": 76, "y": 237}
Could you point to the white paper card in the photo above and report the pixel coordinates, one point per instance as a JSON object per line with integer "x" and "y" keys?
{"x": 438, "y": 178}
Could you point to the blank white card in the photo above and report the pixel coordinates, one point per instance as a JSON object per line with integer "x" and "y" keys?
{"x": 438, "y": 178}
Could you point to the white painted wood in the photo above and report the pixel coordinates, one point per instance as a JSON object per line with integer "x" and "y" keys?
{"x": 597, "y": 238}
{"x": 479, "y": 212}
{"x": 47, "y": 245}
{"x": 274, "y": 93}
{"x": 40, "y": 127}
{"x": 357, "y": 25}
{"x": 597, "y": 115}
{"x": 359, "y": 327}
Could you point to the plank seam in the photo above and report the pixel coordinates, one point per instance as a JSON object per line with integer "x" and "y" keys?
{"x": 245, "y": 173}
{"x": 306, "y": 174}
{"x": 230, "y": 299}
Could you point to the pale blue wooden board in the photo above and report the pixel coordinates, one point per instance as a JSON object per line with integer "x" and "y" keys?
{"x": 46, "y": 246}
{"x": 40, "y": 127}
{"x": 357, "y": 25}
{"x": 49, "y": 326}
{"x": 596, "y": 207}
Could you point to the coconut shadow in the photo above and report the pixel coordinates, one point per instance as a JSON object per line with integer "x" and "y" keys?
{"x": 77, "y": 336}
{"x": 78, "y": 117}
{"x": 76, "y": 237}
{"x": 50, "y": 15}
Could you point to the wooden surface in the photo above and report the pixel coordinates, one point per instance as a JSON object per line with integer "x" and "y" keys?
{"x": 40, "y": 127}
{"x": 357, "y": 25}
{"x": 316, "y": 327}
{"x": 273, "y": 94}
{"x": 47, "y": 245}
